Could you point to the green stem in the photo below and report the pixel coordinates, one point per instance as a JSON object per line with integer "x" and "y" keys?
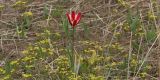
{"x": 72, "y": 49}
{"x": 73, "y": 41}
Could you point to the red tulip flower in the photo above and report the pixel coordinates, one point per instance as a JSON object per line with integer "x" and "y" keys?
{"x": 74, "y": 18}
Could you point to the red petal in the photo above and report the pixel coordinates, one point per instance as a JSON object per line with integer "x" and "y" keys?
{"x": 78, "y": 18}
{"x": 73, "y": 15}
{"x": 74, "y": 23}
{"x": 73, "y": 18}
{"x": 69, "y": 18}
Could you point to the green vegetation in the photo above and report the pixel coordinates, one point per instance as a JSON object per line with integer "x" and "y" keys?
{"x": 115, "y": 40}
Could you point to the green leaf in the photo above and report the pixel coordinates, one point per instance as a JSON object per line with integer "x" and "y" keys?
{"x": 85, "y": 29}
{"x": 65, "y": 26}
{"x": 84, "y": 67}
{"x": 57, "y": 13}
{"x": 45, "y": 12}
{"x": 129, "y": 17}
{"x": 134, "y": 24}
{"x": 135, "y": 46}
{"x": 70, "y": 56}
{"x": 151, "y": 35}
{"x": 27, "y": 22}
{"x": 8, "y": 67}
{"x": 133, "y": 21}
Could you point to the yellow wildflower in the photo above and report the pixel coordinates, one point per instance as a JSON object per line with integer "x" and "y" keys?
{"x": 19, "y": 4}
{"x": 2, "y": 70}
{"x": 14, "y": 62}
{"x": 29, "y": 14}
{"x": 27, "y": 75}
{"x": 58, "y": 35}
{"x": 7, "y": 77}
{"x": 113, "y": 64}
{"x": 134, "y": 62}
{"x": 144, "y": 74}
{"x": 1, "y": 7}
{"x": 25, "y": 52}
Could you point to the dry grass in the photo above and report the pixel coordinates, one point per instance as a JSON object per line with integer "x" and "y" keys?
{"x": 126, "y": 30}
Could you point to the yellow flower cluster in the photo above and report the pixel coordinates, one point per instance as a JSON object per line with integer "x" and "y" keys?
{"x": 27, "y": 75}
{"x": 151, "y": 15}
{"x": 115, "y": 46}
{"x": 123, "y": 3}
{"x": 28, "y": 14}
{"x": 19, "y": 5}
{"x": 1, "y": 7}
{"x": 93, "y": 77}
